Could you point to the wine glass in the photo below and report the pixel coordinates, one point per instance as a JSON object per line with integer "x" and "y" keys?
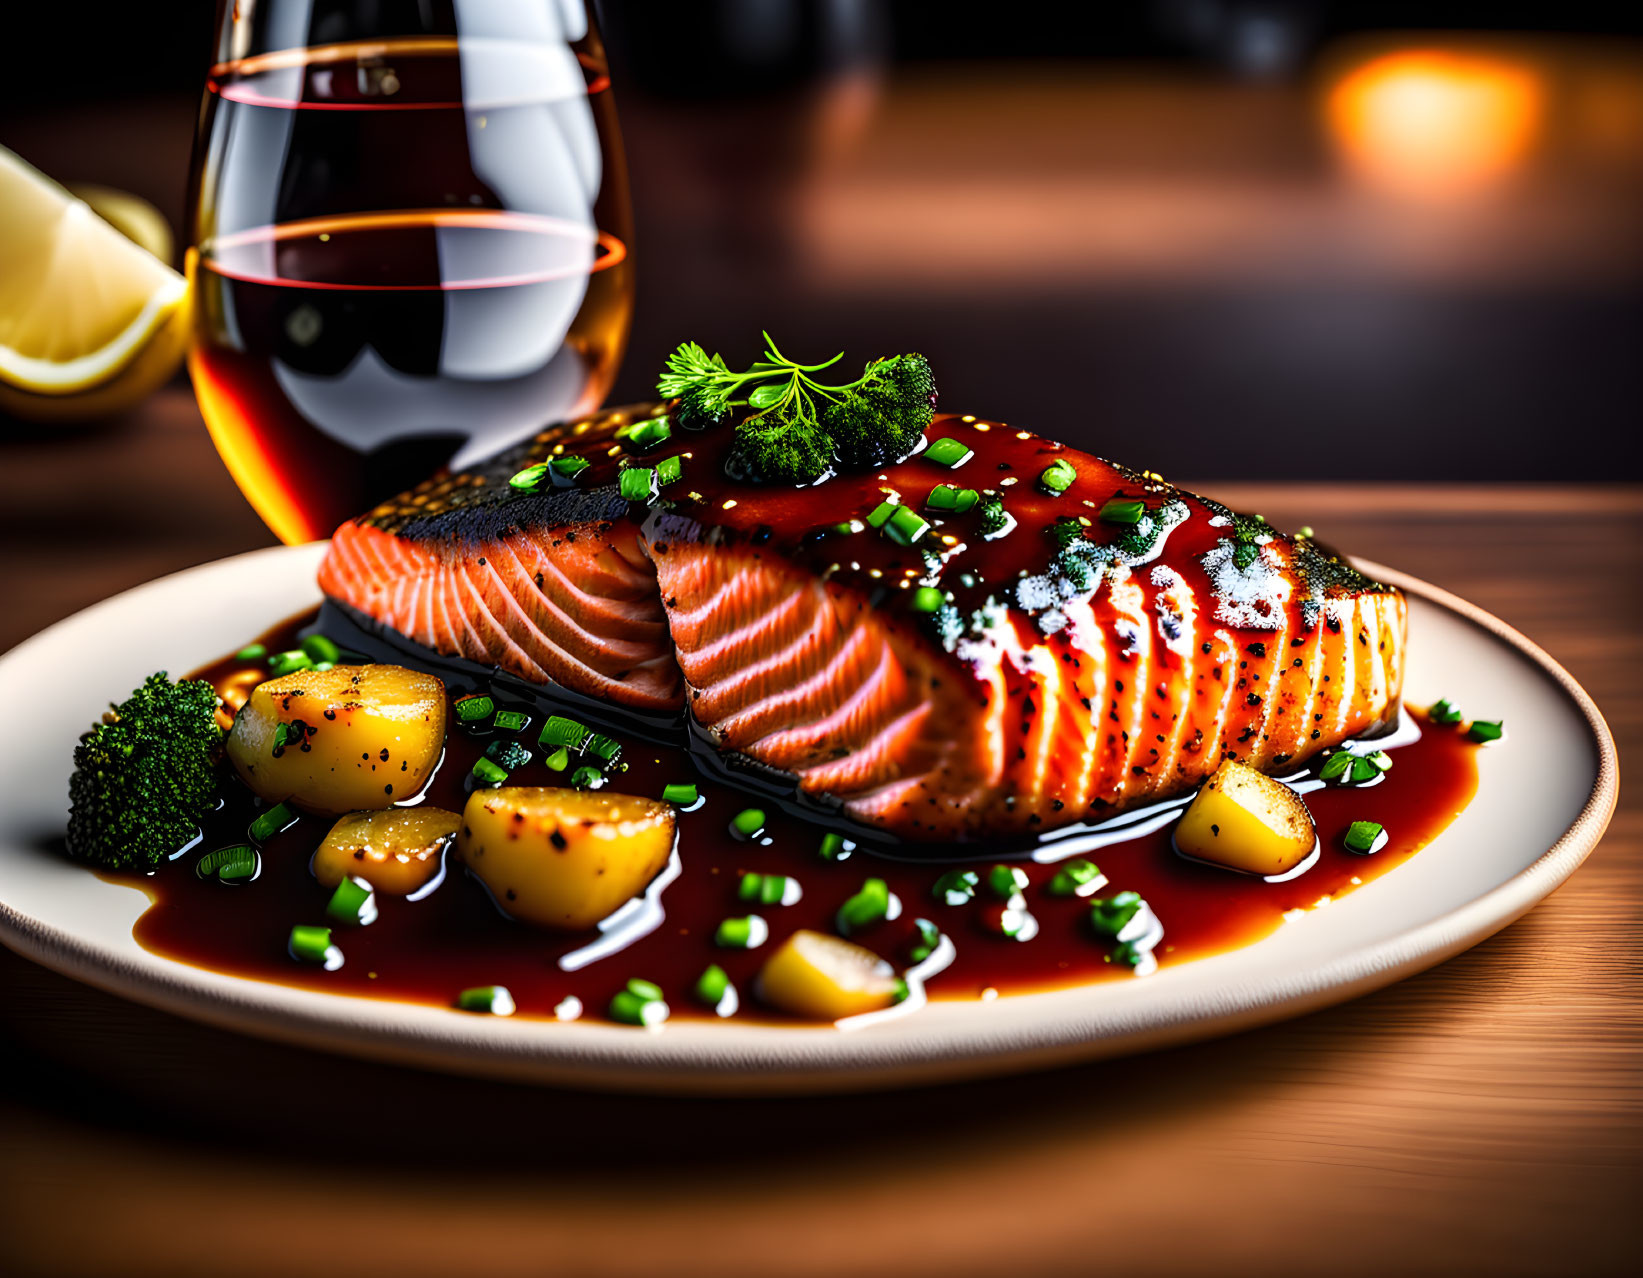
{"x": 411, "y": 242}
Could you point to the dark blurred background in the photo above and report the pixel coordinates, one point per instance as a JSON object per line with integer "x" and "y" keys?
{"x": 1230, "y": 238}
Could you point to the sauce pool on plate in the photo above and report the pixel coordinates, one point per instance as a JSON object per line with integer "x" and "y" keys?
{"x": 455, "y": 938}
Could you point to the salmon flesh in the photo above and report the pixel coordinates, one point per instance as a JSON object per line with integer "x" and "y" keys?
{"x": 931, "y": 676}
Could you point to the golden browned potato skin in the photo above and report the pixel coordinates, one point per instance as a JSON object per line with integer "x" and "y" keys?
{"x": 825, "y": 978}
{"x": 564, "y": 859}
{"x": 398, "y": 852}
{"x": 357, "y": 737}
{"x": 1245, "y": 820}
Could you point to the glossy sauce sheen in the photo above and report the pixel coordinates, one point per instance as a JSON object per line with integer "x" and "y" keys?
{"x": 427, "y": 951}
{"x": 1047, "y": 692}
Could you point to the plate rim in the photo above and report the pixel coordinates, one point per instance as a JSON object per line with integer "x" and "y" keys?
{"x": 605, "y": 1057}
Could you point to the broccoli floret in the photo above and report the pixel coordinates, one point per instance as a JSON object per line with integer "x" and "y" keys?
{"x": 782, "y": 445}
{"x": 703, "y": 407}
{"x": 882, "y": 417}
{"x": 145, "y": 776}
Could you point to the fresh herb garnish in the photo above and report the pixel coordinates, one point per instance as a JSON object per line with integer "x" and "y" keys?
{"x": 798, "y": 426}
{"x": 1111, "y": 915}
{"x": 869, "y": 906}
{"x": 1364, "y": 837}
{"x": 494, "y": 999}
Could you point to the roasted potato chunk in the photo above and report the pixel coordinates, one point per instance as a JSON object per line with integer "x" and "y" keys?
{"x": 1247, "y": 821}
{"x": 340, "y": 740}
{"x": 826, "y": 977}
{"x": 564, "y": 859}
{"x": 398, "y": 852}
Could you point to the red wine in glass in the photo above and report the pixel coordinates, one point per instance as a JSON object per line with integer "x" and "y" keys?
{"x": 410, "y": 251}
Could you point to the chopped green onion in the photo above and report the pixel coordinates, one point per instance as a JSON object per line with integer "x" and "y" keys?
{"x": 512, "y": 720}
{"x": 647, "y": 990}
{"x": 1445, "y": 712}
{"x": 748, "y": 822}
{"x": 629, "y": 1010}
{"x": 312, "y": 945}
{"x": 1111, "y": 915}
{"x": 242, "y": 868}
{"x": 1335, "y": 766}
{"x": 646, "y": 435}
{"x": 848, "y": 528}
{"x": 251, "y": 652}
{"x": 945, "y": 497}
{"x": 1122, "y": 510}
{"x": 1073, "y": 877}
{"x": 769, "y": 889}
{"x": 1486, "y": 730}
{"x": 230, "y": 865}
{"x": 680, "y": 792}
{"x": 929, "y": 936}
{"x": 670, "y": 470}
{"x": 559, "y": 760}
{"x": 268, "y": 824}
{"x": 473, "y": 709}
{"x": 530, "y": 477}
{"x": 1381, "y": 759}
{"x": 568, "y": 467}
{"x": 746, "y": 933}
{"x": 1364, "y": 837}
{"x": 282, "y": 734}
{"x": 869, "y": 906}
{"x": 1011, "y": 919}
{"x": 899, "y": 990}
{"x": 586, "y": 778}
{"x": 1006, "y": 880}
{"x": 560, "y": 731}
{"x": 353, "y": 902}
{"x": 606, "y": 749}
{"x": 905, "y": 526}
{"x": 928, "y": 599}
{"x": 1363, "y": 770}
{"x": 637, "y": 483}
{"x": 289, "y": 662}
{"x": 712, "y": 985}
{"x": 948, "y": 453}
{"x": 881, "y": 513}
{"x": 488, "y": 774}
{"x": 510, "y": 756}
{"x": 835, "y": 847}
{"x": 494, "y": 999}
{"x": 1127, "y": 954}
{"x": 325, "y": 665}
{"x": 956, "y": 887}
{"x": 1305, "y": 532}
{"x": 322, "y": 649}
{"x": 1058, "y": 477}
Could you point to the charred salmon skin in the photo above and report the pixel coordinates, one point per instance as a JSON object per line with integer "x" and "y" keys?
{"x": 1026, "y": 639}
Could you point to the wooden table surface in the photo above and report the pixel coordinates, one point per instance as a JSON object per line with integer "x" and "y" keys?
{"x": 1485, "y": 1117}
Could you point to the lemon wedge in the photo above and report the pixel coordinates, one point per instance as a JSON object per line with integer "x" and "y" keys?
{"x": 81, "y": 306}
{"x": 130, "y": 215}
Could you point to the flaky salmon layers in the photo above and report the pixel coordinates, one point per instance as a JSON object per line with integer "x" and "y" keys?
{"x": 1050, "y": 685}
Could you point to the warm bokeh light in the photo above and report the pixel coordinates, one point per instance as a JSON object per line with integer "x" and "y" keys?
{"x": 1432, "y": 123}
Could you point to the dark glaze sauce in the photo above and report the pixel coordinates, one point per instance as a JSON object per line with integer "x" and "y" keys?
{"x": 1278, "y": 597}
{"x": 427, "y": 950}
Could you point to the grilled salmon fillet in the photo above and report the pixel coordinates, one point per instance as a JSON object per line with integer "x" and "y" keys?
{"x": 938, "y": 676}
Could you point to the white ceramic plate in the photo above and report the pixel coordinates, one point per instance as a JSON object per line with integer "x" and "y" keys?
{"x": 1545, "y": 795}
